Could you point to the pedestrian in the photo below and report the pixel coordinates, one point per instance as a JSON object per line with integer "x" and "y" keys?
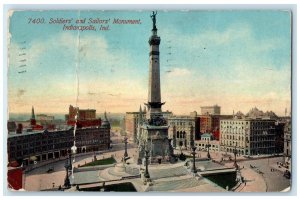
{"x": 245, "y": 183}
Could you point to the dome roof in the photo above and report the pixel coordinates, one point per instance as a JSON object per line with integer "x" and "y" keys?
{"x": 256, "y": 113}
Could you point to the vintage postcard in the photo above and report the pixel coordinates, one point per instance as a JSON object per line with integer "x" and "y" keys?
{"x": 149, "y": 101}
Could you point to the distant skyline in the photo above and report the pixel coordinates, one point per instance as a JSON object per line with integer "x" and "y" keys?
{"x": 236, "y": 59}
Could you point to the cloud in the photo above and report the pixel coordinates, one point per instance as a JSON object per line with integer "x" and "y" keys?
{"x": 232, "y": 68}
{"x": 56, "y": 76}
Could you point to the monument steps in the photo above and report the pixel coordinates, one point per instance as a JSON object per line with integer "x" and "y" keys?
{"x": 175, "y": 184}
{"x": 167, "y": 172}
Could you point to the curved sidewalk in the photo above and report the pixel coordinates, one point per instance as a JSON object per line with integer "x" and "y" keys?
{"x": 253, "y": 182}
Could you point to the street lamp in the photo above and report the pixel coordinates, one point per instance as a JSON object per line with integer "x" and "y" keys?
{"x": 235, "y": 152}
{"x": 146, "y": 174}
{"x": 70, "y": 161}
{"x": 125, "y": 153}
{"x": 67, "y": 180}
{"x": 207, "y": 146}
{"x": 194, "y": 169}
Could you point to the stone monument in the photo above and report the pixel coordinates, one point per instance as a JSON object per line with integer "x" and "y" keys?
{"x": 153, "y": 134}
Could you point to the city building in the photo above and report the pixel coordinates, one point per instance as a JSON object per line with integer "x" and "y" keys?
{"x": 33, "y": 124}
{"x": 44, "y": 117}
{"x": 211, "y": 123}
{"x": 85, "y": 117}
{"x": 288, "y": 144}
{"x": 249, "y": 136}
{"x": 211, "y": 110}
{"x": 207, "y": 141}
{"x": 15, "y": 177}
{"x": 48, "y": 122}
{"x": 210, "y": 120}
{"x": 11, "y": 126}
{"x": 183, "y": 130}
{"x": 131, "y": 122}
{"x": 279, "y": 136}
{"x": 252, "y": 134}
{"x": 40, "y": 146}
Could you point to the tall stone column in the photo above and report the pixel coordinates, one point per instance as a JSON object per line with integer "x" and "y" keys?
{"x": 154, "y": 130}
{"x": 154, "y": 95}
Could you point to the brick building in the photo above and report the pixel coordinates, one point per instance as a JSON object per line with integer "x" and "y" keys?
{"x": 85, "y": 117}
{"x": 210, "y": 120}
{"x": 211, "y": 124}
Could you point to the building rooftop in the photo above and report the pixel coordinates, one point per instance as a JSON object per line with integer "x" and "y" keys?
{"x": 210, "y": 106}
{"x": 206, "y": 135}
{"x": 25, "y": 132}
{"x": 181, "y": 117}
{"x": 248, "y": 119}
{"x": 256, "y": 113}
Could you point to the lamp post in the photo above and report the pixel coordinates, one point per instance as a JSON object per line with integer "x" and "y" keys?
{"x": 235, "y": 152}
{"x": 194, "y": 170}
{"x": 146, "y": 175}
{"x": 125, "y": 153}
{"x": 67, "y": 180}
{"x": 207, "y": 146}
{"x": 70, "y": 161}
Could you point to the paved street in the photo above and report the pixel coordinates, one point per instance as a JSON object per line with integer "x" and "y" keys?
{"x": 267, "y": 180}
{"x": 275, "y": 181}
{"x": 39, "y": 179}
{"x": 259, "y": 177}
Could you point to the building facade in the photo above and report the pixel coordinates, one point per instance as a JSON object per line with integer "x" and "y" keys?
{"x": 131, "y": 123}
{"x": 288, "y": 144}
{"x": 85, "y": 117}
{"x": 183, "y": 130}
{"x": 209, "y": 123}
{"x": 248, "y": 136}
{"x": 210, "y": 120}
{"x": 207, "y": 141}
{"x": 211, "y": 110}
{"x": 44, "y": 117}
{"x": 132, "y": 119}
{"x": 30, "y": 147}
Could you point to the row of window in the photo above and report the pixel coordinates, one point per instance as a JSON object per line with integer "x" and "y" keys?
{"x": 204, "y": 145}
{"x": 232, "y": 137}
{"x": 181, "y": 123}
{"x": 230, "y": 131}
{"x": 233, "y": 122}
{"x": 262, "y": 145}
{"x": 231, "y": 127}
{"x": 232, "y": 143}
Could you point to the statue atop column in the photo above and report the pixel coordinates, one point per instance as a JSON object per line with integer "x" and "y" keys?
{"x": 153, "y": 16}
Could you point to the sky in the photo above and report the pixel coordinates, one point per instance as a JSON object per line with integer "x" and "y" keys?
{"x": 236, "y": 59}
